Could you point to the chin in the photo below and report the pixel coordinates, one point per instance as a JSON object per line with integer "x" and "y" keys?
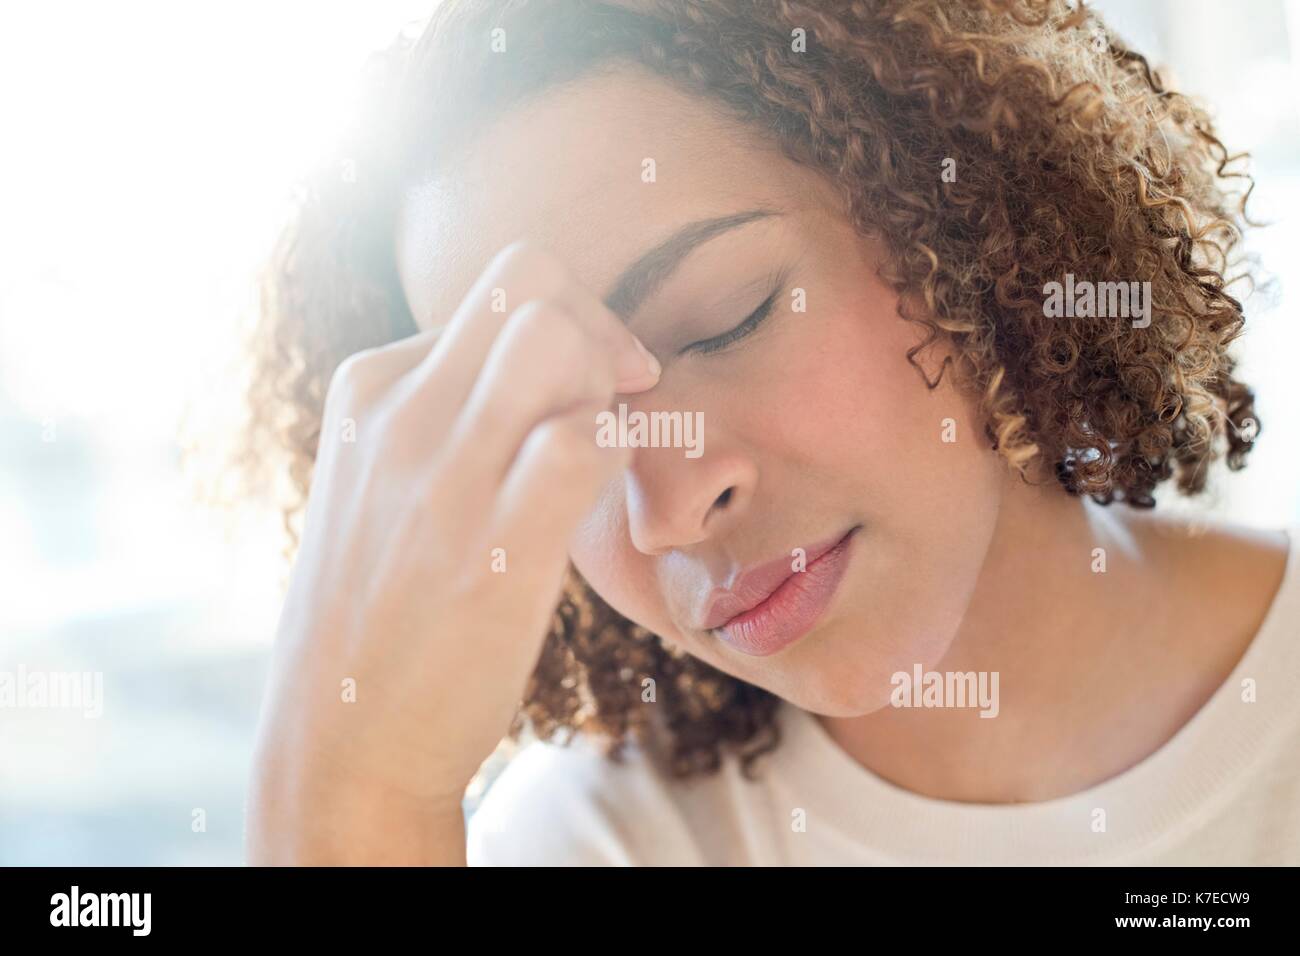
{"x": 842, "y": 704}
{"x": 849, "y": 672}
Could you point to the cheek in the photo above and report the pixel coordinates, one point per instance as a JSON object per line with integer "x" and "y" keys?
{"x": 846, "y": 404}
{"x": 602, "y": 552}
{"x": 918, "y": 458}
{"x": 873, "y": 443}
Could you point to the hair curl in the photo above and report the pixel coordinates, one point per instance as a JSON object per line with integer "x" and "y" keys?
{"x": 1072, "y": 157}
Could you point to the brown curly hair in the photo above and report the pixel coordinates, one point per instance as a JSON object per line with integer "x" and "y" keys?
{"x": 1073, "y": 157}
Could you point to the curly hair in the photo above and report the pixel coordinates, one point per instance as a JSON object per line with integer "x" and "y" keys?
{"x": 1071, "y": 156}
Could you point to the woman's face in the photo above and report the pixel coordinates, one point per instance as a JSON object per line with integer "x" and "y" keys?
{"x": 816, "y": 429}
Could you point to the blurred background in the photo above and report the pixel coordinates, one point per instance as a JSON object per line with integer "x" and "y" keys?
{"x": 149, "y": 153}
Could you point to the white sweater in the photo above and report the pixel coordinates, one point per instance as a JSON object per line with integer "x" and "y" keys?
{"x": 1225, "y": 790}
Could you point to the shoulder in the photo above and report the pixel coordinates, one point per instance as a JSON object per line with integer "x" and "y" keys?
{"x": 1246, "y": 566}
{"x": 568, "y": 804}
{"x": 1231, "y": 578}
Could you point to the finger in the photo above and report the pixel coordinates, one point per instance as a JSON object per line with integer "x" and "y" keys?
{"x": 544, "y": 363}
{"x": 363, "y": 375}
{"x": 558, "y": 476}
{"x": 521, "y": 273}
{"x": 401, "y": 355}
{"x": 632, "y": 374}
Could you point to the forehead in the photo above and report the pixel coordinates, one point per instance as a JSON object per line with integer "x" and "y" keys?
{"x": 598, "y": 171}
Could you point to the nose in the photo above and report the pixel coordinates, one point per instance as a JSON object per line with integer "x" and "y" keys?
{"x": 674, "y": 501}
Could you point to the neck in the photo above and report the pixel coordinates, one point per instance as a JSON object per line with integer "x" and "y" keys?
{"x": 1066, "y": 640}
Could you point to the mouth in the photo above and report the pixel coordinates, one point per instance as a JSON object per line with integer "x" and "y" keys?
{"x": 773, "y": 605}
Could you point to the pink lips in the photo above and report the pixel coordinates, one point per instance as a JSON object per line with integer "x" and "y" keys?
{"x": 770, "y": 606}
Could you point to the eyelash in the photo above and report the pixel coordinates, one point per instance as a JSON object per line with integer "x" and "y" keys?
{"x": 745, "y": 328}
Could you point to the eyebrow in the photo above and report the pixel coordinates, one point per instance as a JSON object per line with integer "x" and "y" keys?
{"x": 644, "y": 277}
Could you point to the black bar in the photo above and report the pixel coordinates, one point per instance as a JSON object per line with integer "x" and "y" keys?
{"x": 210, "y": 905}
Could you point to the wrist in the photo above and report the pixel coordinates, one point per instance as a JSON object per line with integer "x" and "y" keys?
{"x": 329, "y": 820}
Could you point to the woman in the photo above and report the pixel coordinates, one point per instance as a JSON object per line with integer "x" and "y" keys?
{"x": 945, "y": 286}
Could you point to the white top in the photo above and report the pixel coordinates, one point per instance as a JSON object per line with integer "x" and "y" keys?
{"x": 1224, "y": 790}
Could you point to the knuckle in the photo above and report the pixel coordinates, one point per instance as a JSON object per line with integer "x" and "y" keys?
{"x": 525, "y": 264}
{"x": 357, "y": 382}
{"x": 535, "y": 315}
{"x": 547, "y": 325}
{"x": 566, "y": 445}
{"x": 347, "y": 382}
{"x": 364, "y": 365}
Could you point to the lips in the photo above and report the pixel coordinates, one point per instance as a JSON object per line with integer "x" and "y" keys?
{"x": 770, "y": 606}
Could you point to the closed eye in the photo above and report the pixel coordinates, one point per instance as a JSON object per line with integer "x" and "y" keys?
{"x": 746, "y": 327}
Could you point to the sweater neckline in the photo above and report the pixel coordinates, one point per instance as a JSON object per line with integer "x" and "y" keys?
{"x": 1153, "y": 801}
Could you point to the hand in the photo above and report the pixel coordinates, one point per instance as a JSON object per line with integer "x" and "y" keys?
{"x": 401, "y": 654}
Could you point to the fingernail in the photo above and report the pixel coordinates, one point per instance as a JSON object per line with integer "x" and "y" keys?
{"x": 638, "y": 370}
{"x": 652, "y": 363}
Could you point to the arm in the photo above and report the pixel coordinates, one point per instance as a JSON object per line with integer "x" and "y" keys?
{"x": 402, "y": 653}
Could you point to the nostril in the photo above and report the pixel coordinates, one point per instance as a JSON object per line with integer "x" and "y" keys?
{"x": 723, "y": 500}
